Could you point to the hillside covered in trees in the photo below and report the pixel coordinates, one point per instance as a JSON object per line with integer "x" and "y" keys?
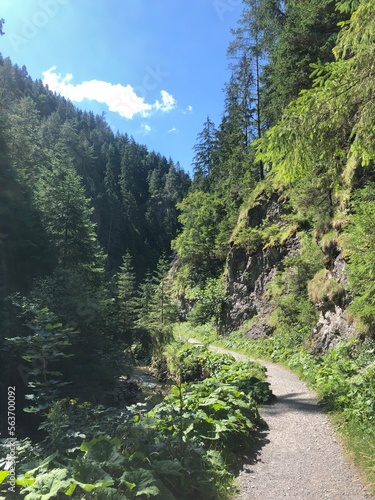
{"x": 86, "y": 216}
{"x": 106, "y": 249}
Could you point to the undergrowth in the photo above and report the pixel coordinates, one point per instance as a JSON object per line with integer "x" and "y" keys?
{"x": 186, "y": 447}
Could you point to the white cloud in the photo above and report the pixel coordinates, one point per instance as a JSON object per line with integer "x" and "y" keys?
{"x": 174, "y": 129}
{"x": 188, "y": 110}
{"x": 145, "y": 128}
{"x": 119, "y": 98}
{"x": 168, "y": 102}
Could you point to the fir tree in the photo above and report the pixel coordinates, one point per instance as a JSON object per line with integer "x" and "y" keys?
{"x": 127, "y": 299}
{"x": 66, "y": 215}
{"x": 204, "y": 155}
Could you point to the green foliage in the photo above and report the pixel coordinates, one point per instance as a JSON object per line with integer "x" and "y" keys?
{"x": 263, "y": 236}
{"x": 303, "y": 141}
{"x": 360, "y": 245}
{"x": 304, "y": 33}
{"x": 200, "y": 214}
{"x": 344, "y": 385}
{"x": 184, "y": 448}
{"x": 204, "y": 156}
{"x": 303, "y": 265}
{"x": 127, "y": 299}
{"x": 348, "y": 5}
{"x": 49, "y": 345}
{"x": 287, "y": 293}
{"x": 158, "y": 309}
{"x": 205, "y": 333}
{"x": 208, "y": 413}
{"x": 66, "y": 216}
{"x": 190, "y": 363}
{"x": 210, "y": 302}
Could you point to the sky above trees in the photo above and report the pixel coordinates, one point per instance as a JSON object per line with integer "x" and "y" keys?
{"x": 156, "y": 69}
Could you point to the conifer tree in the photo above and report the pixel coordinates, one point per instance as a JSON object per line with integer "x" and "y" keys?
{"x": 158, "y": 311}
{"x": 113, "y": 205}
{"x": 66, "y": 216}
{"x": 204, "y": 155}
{"x": 24, "y": 140}
{"x": 127, "y": 299}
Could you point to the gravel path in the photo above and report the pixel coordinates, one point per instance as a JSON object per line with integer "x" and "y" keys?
{"x": 299, "y": 456}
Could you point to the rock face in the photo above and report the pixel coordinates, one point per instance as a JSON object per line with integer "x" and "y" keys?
{"x": 247, "y": 279}
{"x": 331, "y": 328}
{"x": 333, "y": 325}
{"x": 249, "y": 273}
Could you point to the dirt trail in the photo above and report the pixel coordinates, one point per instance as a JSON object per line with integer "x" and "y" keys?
{"x": 300, "y": 456}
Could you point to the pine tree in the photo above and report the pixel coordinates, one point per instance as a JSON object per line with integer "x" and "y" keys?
{"x": 66, "y": 216}
{"x": 164, "y": 311}
{"x": 128, "y": 302}
{"x": 113, "y": 205}
{"x": 246, "y": 54}
{"x": 24, "y": 140}
{"x": 204, "y": 155}
{"x": 233, "y": 172}
{"x": 158, "y": 310}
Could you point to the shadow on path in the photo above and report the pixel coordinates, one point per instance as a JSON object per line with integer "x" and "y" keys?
{"x": 293, "y": 402}
{"x": 260, "y": 437}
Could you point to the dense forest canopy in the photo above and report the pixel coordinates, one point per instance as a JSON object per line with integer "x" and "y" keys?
{"x": 76, "y": 200}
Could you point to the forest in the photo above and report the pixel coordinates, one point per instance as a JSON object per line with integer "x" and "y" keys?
{"x": 111, "y": 257}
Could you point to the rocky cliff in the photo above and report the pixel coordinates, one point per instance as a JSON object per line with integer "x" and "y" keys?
{"x": 334, "y": 322}
{"x": 251, "y": 270}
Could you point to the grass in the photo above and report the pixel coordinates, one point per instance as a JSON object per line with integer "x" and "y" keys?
{"x": 359, "y": 440}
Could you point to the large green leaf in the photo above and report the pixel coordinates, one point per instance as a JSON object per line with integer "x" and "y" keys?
{"x": 3, "y": 475}
{"x": 111, "y": 494}
{"x": 146, "y": 482}
{"x": 90, "y": 475}
{"x": 102, "y": 450}
{"x": 49, "y": 485}
{"x": 168, "y": 467}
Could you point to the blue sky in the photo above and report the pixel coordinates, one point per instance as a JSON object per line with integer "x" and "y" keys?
{"x": 157, "y": 68}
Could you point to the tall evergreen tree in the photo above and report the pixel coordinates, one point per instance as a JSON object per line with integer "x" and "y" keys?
{"x": 66, "y": 216}
{"x": 127, "y": 299}
{"x": 204, "y": 155}
{"x": 246, "y": 50}
{"x": 112, "y": 210}
{"x": 24, "y": 140}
